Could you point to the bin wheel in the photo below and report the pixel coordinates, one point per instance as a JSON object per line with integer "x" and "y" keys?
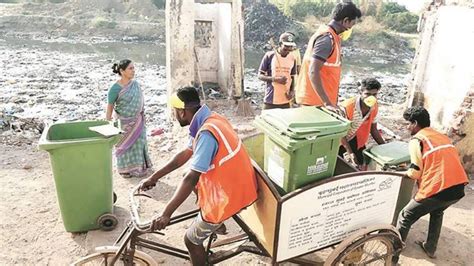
{"x": 107, "y": 222}
{"x": 115, "y": 197}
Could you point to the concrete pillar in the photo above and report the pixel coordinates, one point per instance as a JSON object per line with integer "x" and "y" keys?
{"x": 179, "y": 44}
{"x": 237, "y": 50}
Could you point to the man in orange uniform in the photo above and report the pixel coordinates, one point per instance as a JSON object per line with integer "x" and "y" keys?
{"x": 438, "y": 172}
{"x": 318, "y": 81}
{"x": 278, "y": 69}
{"x": 362, "y": 112}
{"x": 221, "y": 172}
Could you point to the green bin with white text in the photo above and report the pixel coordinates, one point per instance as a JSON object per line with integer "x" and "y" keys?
{"x": 301, "y": 144}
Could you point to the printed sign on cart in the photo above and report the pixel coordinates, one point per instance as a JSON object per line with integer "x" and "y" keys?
{"x": 326, "y": 214}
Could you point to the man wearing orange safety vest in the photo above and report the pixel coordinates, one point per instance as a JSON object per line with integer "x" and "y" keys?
{"x": 362, "y": 112}
{"x": 439, "y": 174}
{"x": 221, "y": 172}
{"x": 278, "y": 70}
{"x": 318, "y": 81}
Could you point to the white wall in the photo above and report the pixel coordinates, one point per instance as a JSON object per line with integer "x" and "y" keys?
{"x": 225, "y": 45}
{"x": 449, "y": 73}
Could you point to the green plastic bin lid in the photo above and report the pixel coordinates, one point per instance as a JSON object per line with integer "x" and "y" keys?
{"x": 392, "y": 153}
{"x": 60, "y": 135}
{"x": 304, "y": 122}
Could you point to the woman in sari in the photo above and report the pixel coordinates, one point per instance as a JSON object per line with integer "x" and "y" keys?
{"x": 126, "y": 98}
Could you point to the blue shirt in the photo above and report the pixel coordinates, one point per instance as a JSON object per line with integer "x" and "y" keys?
{"x": 206, "y": 144}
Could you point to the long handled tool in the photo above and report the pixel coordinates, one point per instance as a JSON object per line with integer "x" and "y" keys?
{"x": 243, "y": 104}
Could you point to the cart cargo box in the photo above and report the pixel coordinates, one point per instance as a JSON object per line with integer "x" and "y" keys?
{"x": 321, "y": 213}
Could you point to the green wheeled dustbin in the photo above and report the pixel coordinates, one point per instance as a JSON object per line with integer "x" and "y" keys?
{"x": 81, "y": 160}
{"x": 389, "y": 156}
{"x": 392, "y": 156}
{"x": 301, "y": 144}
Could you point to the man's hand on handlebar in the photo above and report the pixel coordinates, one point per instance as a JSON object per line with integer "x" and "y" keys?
{"x": 160, "y": 222}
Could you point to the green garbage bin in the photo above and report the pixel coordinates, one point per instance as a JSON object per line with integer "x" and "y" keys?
{"x": 392, "y": 156}
{"x": 81, "y": 161}
{"x": 300, "y": 145}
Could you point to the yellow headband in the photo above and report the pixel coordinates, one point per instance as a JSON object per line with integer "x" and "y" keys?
{"x": 176, "y": 102}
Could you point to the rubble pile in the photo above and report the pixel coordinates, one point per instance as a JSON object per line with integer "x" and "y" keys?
{"x": 264, "y": 21}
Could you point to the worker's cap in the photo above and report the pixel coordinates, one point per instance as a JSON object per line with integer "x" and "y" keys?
{"x": 178, "y": 103}
{"x": 287, "y": 39}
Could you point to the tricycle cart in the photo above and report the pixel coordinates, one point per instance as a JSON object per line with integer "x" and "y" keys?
{"x": 351, "y": 212}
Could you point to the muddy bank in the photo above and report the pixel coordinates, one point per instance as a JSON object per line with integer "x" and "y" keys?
{"x": 65, "y": 79}
{"x": 82, "y": 19}
{"x": 54, "y": 85}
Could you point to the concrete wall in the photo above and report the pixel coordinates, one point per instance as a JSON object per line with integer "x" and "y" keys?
{"x": 179, "y": 43}
{"x": 225, "y": 45}
{"x": 443, "y": 79}
{"x": 215, "y": 30}
{"x": 444, "y": 75}
{"x": 449, "y": 71}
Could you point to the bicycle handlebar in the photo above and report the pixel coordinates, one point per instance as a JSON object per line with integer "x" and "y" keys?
{"x": 142, "y": 226}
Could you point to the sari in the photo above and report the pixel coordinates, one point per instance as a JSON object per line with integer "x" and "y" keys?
{"x": 132, "y": 150}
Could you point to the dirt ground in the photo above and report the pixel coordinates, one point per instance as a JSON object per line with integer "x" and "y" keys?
{"x": 32, "y": 233}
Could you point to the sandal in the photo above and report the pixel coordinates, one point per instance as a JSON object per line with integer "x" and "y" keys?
{"x": 422, "y": 245}
{"x": 126, "y": 175}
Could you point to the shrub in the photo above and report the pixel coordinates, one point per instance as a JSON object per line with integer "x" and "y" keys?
{"x": 402, "y": 22}
{"x": 391, "y": 8}
{"x": 101, "y": 22}
{"x": 302, "y": 9}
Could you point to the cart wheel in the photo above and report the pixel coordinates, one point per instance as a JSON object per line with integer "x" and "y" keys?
{"x": 107, "y": 222}
{"x": 115, "y": 197}
{"x": 372, "y": 246}
{"x": 105, "y": 254}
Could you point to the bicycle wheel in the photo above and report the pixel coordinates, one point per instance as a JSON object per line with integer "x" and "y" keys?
{"x": 104, "y": 255}
{"x": 371, "y": 250}
{"x": 375, "y": 245}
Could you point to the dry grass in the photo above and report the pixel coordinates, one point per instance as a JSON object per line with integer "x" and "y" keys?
{"x": 369, "y": 24}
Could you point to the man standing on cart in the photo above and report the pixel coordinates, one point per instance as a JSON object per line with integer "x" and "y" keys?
{"x": 220, "y": 171}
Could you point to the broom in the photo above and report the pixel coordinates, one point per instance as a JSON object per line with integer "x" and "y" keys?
{"x": 199, "y": 76}
{"x": 243, "y": 104}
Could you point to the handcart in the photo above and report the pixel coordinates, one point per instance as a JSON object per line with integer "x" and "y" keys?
{"x": 352, "y": 213}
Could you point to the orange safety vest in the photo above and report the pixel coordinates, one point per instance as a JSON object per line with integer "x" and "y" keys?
{"x": 442, "y": 167}
{"x": 230, "y": 183}
{"x": 363, "y": 132}
{"x": 281, "y": 66}
{"x": 330, "y": 72}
